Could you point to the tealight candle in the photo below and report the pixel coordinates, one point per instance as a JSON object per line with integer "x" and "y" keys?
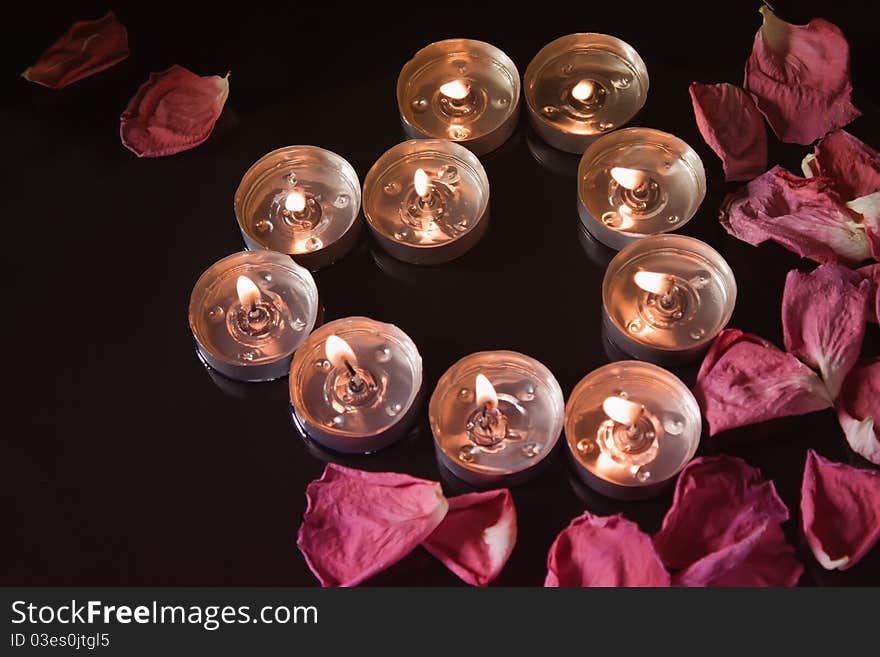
{"x": 666, "y": 297}
{"x": 249, "y": 311}
{"x": 302, "y": 201}
{"x": 495, "y": 416}
{"x": 638, "y": 182}
{"x": 427, "y": 201}
{"x": 631, "y": 427}
{"x": 460, "y": 89}
{"x": 354, "y": 384}
{"x": 581, "y": 86}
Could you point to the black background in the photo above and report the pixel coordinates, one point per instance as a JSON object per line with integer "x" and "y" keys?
{"x": 127, "y": 464}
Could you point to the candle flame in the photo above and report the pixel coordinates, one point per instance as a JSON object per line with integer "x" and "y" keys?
{"x": 295, "y": 201}
{"x": 339, "y": 352}
{"x": 651, "y": 281}
{"x": 486, "y": 395}
{"x": 248, "y": 292}
{"x": 582, "y": 91}
{"x": 420, "y": 180}
{"x": 622, "y": 410}
{"x": 629, "y": 178}
{"x": 455, "y": 89}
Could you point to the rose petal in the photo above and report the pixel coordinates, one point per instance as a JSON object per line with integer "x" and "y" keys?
{"x": 745, "y": 380}
{"x": 872, "y": 273}
{"x": 799, "y": 77}
{"x": 88, "y": 47}
{"x": 719, "y": 501}
{"x": 732, "y": 127}
{"x": 477, "y": 536}
{"x": 359, "y": 523}
{"x": 173, "y": 111}
{"x": 869, "y": 207}
{"x": 805, "y": 215}
{"x": 858, "y": 410}
{"x": 852, "y": 165}
{"x": 762, "y": 558}
{"x": 823, "y": 320}
{"x": 604, "y": 551}
{"x": 840, "y": 508}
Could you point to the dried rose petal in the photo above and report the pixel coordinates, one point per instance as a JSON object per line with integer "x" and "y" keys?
{"x": 823, "y": 320}
{"x": 869, "y": 209}
{"x": 852, "y": 165}
{"x": 858, "y": 410}
{"x": 805, "y": 215}
{"x": 719, "y": 501}
{"x": 840, "y": 508}
{"x": 604, "y": 551}
{"x": 732, "y": 127}
{"x": 745, "y": 380}
{"x": 359, "y": 523}
{"x": 173, "y": 111}
{"x": 477, "y": 536}
{"x": 872, "y": 273}
{"x": 799, "y": 77}
{"x": 88, "y": 47}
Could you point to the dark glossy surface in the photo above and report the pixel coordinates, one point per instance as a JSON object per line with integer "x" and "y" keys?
{"x": 129, "y": 463}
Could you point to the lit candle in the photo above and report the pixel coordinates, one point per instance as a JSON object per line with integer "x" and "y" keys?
{"x": 354, "y": 385}
{"x": 638, "y": 182}
{"x": 581, "y": 86}
{"x": 631, "y": 427}
{"x": 427, "y": 201}
{"x": 666, "y": 297}
{"x": 302, "y": 201}
{"x": 248, "y": 313}
{"x": 495, "y": 416}
{"x": 460, "y": 89}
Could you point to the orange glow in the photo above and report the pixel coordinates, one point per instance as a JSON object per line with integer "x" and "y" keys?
{"x": 629, "y": 178}
{"x": 622, "y": 410}
{"x": 654, "y": 283}
{"x": 455, "y": 89}
{"x": 248, "y": 292}
{"x": 486, "y": 395}
{"x": 295, "y": 201}
{"x": 582, "y": 91}
{"x": 338, "y": 352}
{"x": 420, "y": 180}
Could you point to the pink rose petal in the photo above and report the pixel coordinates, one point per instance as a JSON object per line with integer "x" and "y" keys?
{"x": 869, "y": 209}
{"x": 799, "y": 77}
{"x": 359, "y": 523}
{"x": 719, "y": 501}
{"x": 805, "y": 215}
{"x": 858, "y": 410}
{"x": 872, "y": 273}
{"x": 823, "y": 320}
{"x": 840, "y": 508}
{"x": 604, "y": 551}
{"x": 477, "y": 536}
{"x": 852, "y": 165}
{"x": 88, "y": 47}
{"x": 732, "y": 127}
{"x": 745, "y": 380}
{"x": 173, "y": 111}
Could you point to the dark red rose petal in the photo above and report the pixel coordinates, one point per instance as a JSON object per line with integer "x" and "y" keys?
{"x": 359, "y": 523}
{"x": 732, "y": 127}
{"x": 87, "y": 48}
{"x": 872, "y": 273}
{"x": 745, "y": 380}
{"x": 823, "y": 320}
{"x": 805, "y": 215}
{"x": 799, "y": 77}
{"x": 858, "y": 410}
{"x": 840, "y": 509}
{"x": 852, "y": 165}
{"x": 604, "y": 551}
{"x": 172, "y": 112}
{"x": 477, "y": 536}
{"x": 868, "y": 207}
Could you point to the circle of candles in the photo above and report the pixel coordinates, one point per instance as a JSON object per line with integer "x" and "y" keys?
{"x": 581, "y": 86}
{"x": 631, "y": 427}
{"x": 666, "y": 297}
{"x": 496, "y": 416}
{"x": 354, "y": 384}
{"x": 459, "y": 89}
{"x": 638, "y": 182}
{"x": 427, "y": 201}
{"x": 302, "y": 201}
{"x": 249, "y": 311}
